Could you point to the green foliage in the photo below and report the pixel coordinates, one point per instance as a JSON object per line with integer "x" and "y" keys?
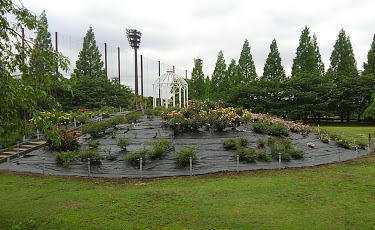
{"x": 261, "y": 143}
{"x": 250, "y": 155}
{"x": 95, "y": 129}
{"x": 159, "y": 148}
{"x": 133, "y": 117}
{"x": 273, "y": 69}
{"x": 92, "y": 154}
{"x": 133, "y": 158}
{"x": 235, "y": 143}
{"x": 370, "y": 110}
{"x": 93, "y": 144}
{"x": 61, "y": 139}
{"x": 246, "y": 65}
{"x": 123, "y": 142}
{"x": 197, "y": 88}
{"x": 89, "y": 63}
{"x": 29, "y": 224}
{"x": 271, "y": 129}
{"x": 182, "y": 157}
{"x": 284, "y": 146}
{"x": 66, "y": 158}
{"x": 369, "y": 67}
{"x": 217, "y": 83}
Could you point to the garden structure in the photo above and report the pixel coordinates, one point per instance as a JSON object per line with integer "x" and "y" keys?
{"x": 208, "y": 139}
{"x": 169, "y": 86}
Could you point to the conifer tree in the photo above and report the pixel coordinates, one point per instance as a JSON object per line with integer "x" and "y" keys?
{"x": 197, "y": 82}
{"x": 308, "y": 59}
{"x": 246, "y": 67}
{"x": 218, "y": 76}
{"x": 273, "y": 68}
{"x": 342, "y": 58}
{"x": 231, "y": 74}
{"x": 369, "y": 67}
{"x": 89, "y": 63}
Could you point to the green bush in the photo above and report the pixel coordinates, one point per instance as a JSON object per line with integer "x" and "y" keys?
{"x": 133, "y": 158}
{"x": 159, "y": 148}
{"x": 248, "y": 155}
{"x": 263, "y": 155}
{"x": 93, "y": 144}
{"x": 230, "y": 144}
{"x": 285, "y": 147}
{"x": 66, "y": 158}
{"x": 93, "y": 154}
{"x": 95, "y": 129}
{"x": 61, "y": 139}
{"x": 133, "y": 117}
{"x": 261, "y": 143}
{"x": 182, "y": 157}
{"x": 271, "y": 129}
{"x": 235, "y": 143}
{"x": 123, "y": 142}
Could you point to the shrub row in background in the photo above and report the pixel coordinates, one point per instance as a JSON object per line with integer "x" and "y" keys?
{"x": 271, "y": 129}
{"x": 341, "y": 141}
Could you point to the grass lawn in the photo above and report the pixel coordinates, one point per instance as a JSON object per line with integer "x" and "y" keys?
{"x": 359, "y": 133}
{"x": 340, "y": 196}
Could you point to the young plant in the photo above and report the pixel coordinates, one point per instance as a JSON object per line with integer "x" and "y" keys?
{"x": 235, "y": 143}
{"x": 92, "y": 154}
{"x": 65, "y": 158}
{"x": 261, "y": 143}
{"x": 123, "y": 142}
{"x": 133, "y": 158}
{"x": 182, "y": 157}
{"x": 159, "y": 148}
{"x": 93, "y": 144}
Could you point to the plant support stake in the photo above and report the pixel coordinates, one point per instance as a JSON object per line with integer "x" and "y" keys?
{"x": 89, "y": 167}
{"x": 279, "y": 160}
{"x": 140, "y": 167}
{"x": 191, "y": 165}
{"x": 44, "y": 165}
{"x": 238, "y": 162}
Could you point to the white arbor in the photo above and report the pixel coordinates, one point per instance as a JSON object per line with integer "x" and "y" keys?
{"x": 169, "y": 86}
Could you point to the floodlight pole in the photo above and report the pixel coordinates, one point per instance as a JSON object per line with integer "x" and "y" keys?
{"x": 134, "y": 38}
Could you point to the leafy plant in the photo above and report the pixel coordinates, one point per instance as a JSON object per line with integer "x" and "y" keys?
{"x": 261, "y": 143}
{"x": 285, "y": 148}
{"x": 248, "y": 155}
{"x": 66, "y": 158}
{"x": 271, "y": 129}
{"x": 92, "y": 154}
{"x": 235, "y": 143}
{"x": 159, "y": 148}
{"x": 123, "y": 142}
{"x": 93, "y": 144}
{"x": 61, "y": 139}
{"x": 182, "y": 157}
{"x": 133, "y": 158}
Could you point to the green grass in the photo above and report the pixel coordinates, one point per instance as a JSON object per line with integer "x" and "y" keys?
{"x": 340, "y": 196}
{"x": 357, "y": 133}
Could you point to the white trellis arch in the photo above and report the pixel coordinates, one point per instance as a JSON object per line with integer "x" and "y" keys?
{"x": 167, "y": 86}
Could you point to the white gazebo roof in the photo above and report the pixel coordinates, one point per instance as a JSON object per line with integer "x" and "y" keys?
{"x": 170, "y": 85}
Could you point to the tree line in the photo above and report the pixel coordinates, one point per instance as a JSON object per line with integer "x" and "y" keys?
{"x": 309, "y": 93}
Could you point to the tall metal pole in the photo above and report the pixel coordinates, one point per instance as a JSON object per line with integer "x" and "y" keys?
{"x": 174, "y": 71}
{"x": 141, "y": 75}
{"x": 136, "y": 71}
{"x": 159, "y": 77}
{"x": 57, "y": 50}
{"x": 119, "y": 65}
{"x": 185, "y": 73}
{"x": 105, "y": 59}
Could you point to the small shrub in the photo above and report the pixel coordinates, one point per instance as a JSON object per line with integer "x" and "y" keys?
{"x": 278, "y": 130}
{"x": 123, "y": 142}
{"x": 133, "y": 117}
{"x": 62, "y": 140}
{"x": 235, "y": 143}
{"x": 261, "y": 143}
{"x": 159, "y": 148}
{"x": 93, "y": 154}
{"x": 248, "y": 155}
{"x": 260, "y": 127}
{"x": 133, "y": 158}
{"x": 182, "y": 157}
{"x": 93, "y": 144}
{"x": 95, "y": 130}
{"x": 285, "y": 147}
{"x": 344, "y": 143}
{"x": 263, "y": 155}
{"x": 65, "y": 158}
{"x": 324, "y": 137}
{"x": 230, "y": 144}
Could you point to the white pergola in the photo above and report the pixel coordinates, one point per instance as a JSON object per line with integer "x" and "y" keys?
{"x": 168, "y": 85}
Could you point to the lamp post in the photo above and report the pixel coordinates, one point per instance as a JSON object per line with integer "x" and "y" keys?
{"x": 134, "y": 38}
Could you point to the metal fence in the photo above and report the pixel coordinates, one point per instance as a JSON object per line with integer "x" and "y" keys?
{"x": 118, "y": 61}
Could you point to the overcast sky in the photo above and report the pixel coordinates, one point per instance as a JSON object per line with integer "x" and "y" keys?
{"x": 176, "y": 32}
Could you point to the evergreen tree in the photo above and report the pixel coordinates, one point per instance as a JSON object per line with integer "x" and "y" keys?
{"x": 218, "y": 76}
{"x": 307, "y": 58}
{"x": 246, "y": 67}
{"x": 89, "y": 63}
{"x": 369, "y": 67}
{"x": 342, "y": 58}
{"x": 318, "y": 57}
{"x": 231, "y": 74}
{"x": 197, "y": 82}
{"x": 273, "y": 68}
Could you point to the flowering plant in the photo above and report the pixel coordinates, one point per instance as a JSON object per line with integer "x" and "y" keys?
{"x": 48, "y": 119}
{"x": 61, "y": 139}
